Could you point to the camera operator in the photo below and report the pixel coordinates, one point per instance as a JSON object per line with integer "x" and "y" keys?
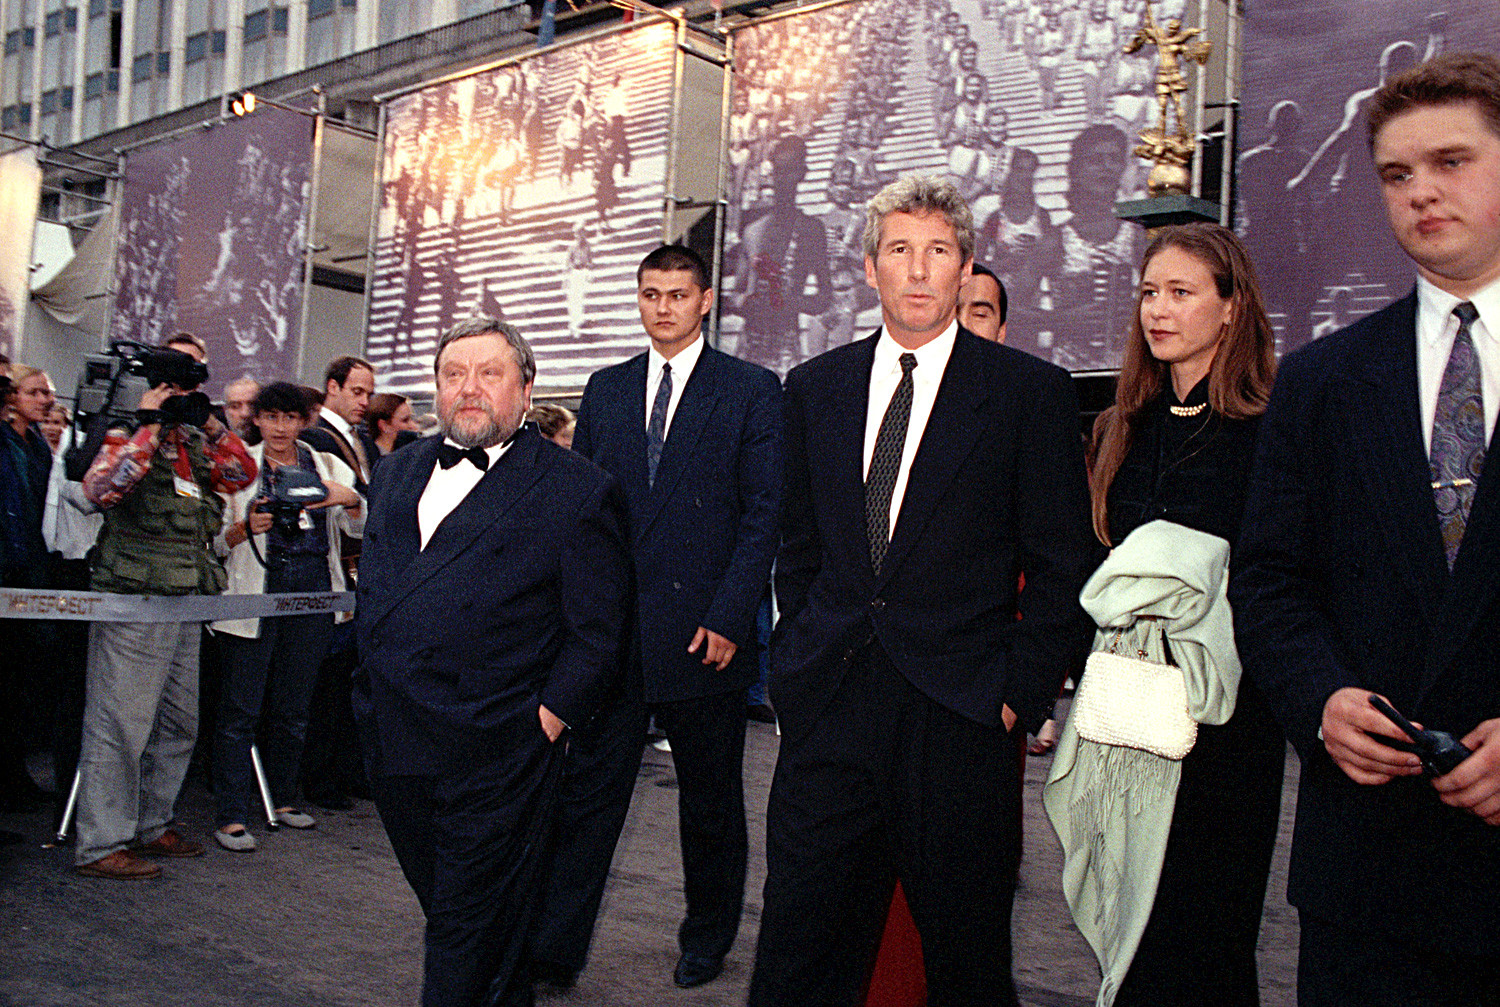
{"x": 274, "y": 544}
{"x": 159, "y": 487}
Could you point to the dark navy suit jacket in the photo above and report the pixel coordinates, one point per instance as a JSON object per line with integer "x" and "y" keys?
{"x": 1341, "y": 581}
{"x": 518, "y": 599}
{"x": 705, "y": 533}
{"x": 996, "y": 490}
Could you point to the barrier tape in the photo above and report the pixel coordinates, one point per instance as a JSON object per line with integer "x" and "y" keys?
{"x": 92, "y": 606}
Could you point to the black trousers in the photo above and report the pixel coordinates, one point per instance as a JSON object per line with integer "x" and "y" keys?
{"x": 708, "y": 747}
{"x": 888, "y": 785}
{"x": 1343, "y": 966}
{"x": 603, "y": 760}
{"x": 471, "y": 844}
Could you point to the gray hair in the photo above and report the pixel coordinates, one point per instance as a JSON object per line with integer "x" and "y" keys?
{"x": 484, "y": 325}
{"x": 920, "y": 194}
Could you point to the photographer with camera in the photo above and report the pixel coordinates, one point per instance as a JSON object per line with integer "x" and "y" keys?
{"x": 158, "y": 481}
{"x": 281, "y": 535}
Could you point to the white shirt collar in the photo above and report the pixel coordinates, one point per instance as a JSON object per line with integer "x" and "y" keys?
{"x": 338, "y": 423}
{"x": 932, "y": 356}
{"x": 682, "y": 364}
{"x": 1435, "y": 305}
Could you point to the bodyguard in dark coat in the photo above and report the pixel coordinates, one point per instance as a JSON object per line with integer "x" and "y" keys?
{"x": 493, "y": 595}
{"x": 701, "y": 468}
{"x": 1367, "y": 564}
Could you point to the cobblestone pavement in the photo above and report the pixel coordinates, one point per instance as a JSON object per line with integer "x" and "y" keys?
{"x": 324, "y": 918}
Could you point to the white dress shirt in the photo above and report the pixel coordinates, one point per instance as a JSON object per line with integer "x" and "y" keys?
{"x": 446, "y": 489}
{"x": 682, "y": 369}
{"x": 885, "y": 375}
{"x": 1436, "y": 328}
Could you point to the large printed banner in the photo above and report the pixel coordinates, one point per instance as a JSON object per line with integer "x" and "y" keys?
{"x": 212, "y": 242}
{"x": 529, "y": 192}
{"x": 1309, "y": 205}
{"x": 20, "y": 185}
{"x": 1031, "y": 108}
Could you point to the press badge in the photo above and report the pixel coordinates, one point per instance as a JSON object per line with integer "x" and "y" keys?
{"x": 187, "y": 488}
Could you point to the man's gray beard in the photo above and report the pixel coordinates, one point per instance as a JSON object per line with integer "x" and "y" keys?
{"x": 487, "y": 436}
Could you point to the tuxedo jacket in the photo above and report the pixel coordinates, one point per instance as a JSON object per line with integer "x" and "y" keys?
{"x": 1340, "y": 580}
{"x": 704, "y": 534}
{"x": 518, "y": 599}
{"x": 997, "y": 489}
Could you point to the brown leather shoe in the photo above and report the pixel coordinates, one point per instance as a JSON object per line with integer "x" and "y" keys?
{"x": 169, "y": 844}
{"x": 122, "y": 865}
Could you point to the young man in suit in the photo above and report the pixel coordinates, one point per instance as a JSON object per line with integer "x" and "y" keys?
{"x": 927, "y": 470}
{"x": 489, "y": 618}
{"x": 1366, "y": 565}
{"x": 694, "y": 436}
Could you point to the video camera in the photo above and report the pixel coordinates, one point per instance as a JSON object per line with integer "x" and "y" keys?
{"x": 112, "y": 384}
{"x": 291, "y": 490}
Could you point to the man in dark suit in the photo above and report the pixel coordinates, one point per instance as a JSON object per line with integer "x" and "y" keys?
{"x": 694, "y": 436}
{"x": 347, "y": 385}
{"x": 927, "y": 470}
{"x": 330, "y": 763}
{"x": 1367, "y": 564}
{"x": 494, "y": 592}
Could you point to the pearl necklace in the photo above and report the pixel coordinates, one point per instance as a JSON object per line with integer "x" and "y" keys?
{"x": 1187, "y": 410}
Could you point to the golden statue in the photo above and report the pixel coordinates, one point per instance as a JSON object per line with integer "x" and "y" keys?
{"x": 1170, "y": 150}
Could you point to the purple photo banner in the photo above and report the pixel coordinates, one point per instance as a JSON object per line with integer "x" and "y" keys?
{"x": 1309, "y": 204}
{"x": 1030, "y": 108}
{"x": 528, "y": 192}
{"x": 212, "y": 242}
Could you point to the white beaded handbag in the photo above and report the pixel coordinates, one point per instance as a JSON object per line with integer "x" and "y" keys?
{"x": 1134, "y": 702}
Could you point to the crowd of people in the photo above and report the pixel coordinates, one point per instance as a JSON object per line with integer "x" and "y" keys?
{"x": 1296, "y": 545}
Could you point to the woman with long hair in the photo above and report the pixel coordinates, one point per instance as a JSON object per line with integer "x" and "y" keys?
{"x": 1177, "y": 445}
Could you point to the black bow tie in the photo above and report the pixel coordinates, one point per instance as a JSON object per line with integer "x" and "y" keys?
{"x": 450, "y": 455}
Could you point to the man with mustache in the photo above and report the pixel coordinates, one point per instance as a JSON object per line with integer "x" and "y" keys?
{"x": 489, "y": 620}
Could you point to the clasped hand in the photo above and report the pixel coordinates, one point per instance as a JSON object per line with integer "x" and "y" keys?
{"x": 1350, "y": 728}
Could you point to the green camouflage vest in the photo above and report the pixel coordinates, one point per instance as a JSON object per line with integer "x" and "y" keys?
{"x": 155, "y": 541}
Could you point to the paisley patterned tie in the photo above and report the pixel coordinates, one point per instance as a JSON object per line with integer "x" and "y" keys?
{"x": 1458, "y": 435}
{"x": 885, "y": 464}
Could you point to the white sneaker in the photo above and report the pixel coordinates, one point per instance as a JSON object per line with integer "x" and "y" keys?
{"x": 294, "y": 819}
{"x": 236, "y": 842}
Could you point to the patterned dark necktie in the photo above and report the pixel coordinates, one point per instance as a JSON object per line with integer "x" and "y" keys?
{"x": 885, "y": 464}
{"x": 656, "y": 430}
{"x": 1458, "y": 435}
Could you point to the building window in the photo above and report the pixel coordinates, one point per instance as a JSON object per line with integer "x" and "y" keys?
{"x": 279, "y": 20}
{"x": 351, "y": 4}
{"x": 28, "y": 38}
{"x": 93, "y": 86}
{"x": 163, "y": 64}
{"x": 140, "y": 69}
{"x": 197, "y": 47}
{"x": 49, "y": 102}
{"x": 70, "y": 19}
{"x": 255, "y": 26}
{"x": 65, "y": 99}
{"x": 10, "y": 118}
{"x": 216, "y": 44}
{"x": 52, "y": 25}
{"x": 112, "y": 82}
{"x": 13, "y": 42}
{"x": 318, "y": 8}
{"x": 96, "y": 8}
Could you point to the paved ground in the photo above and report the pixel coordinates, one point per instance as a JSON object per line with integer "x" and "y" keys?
{"x": 324, "y": 918}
